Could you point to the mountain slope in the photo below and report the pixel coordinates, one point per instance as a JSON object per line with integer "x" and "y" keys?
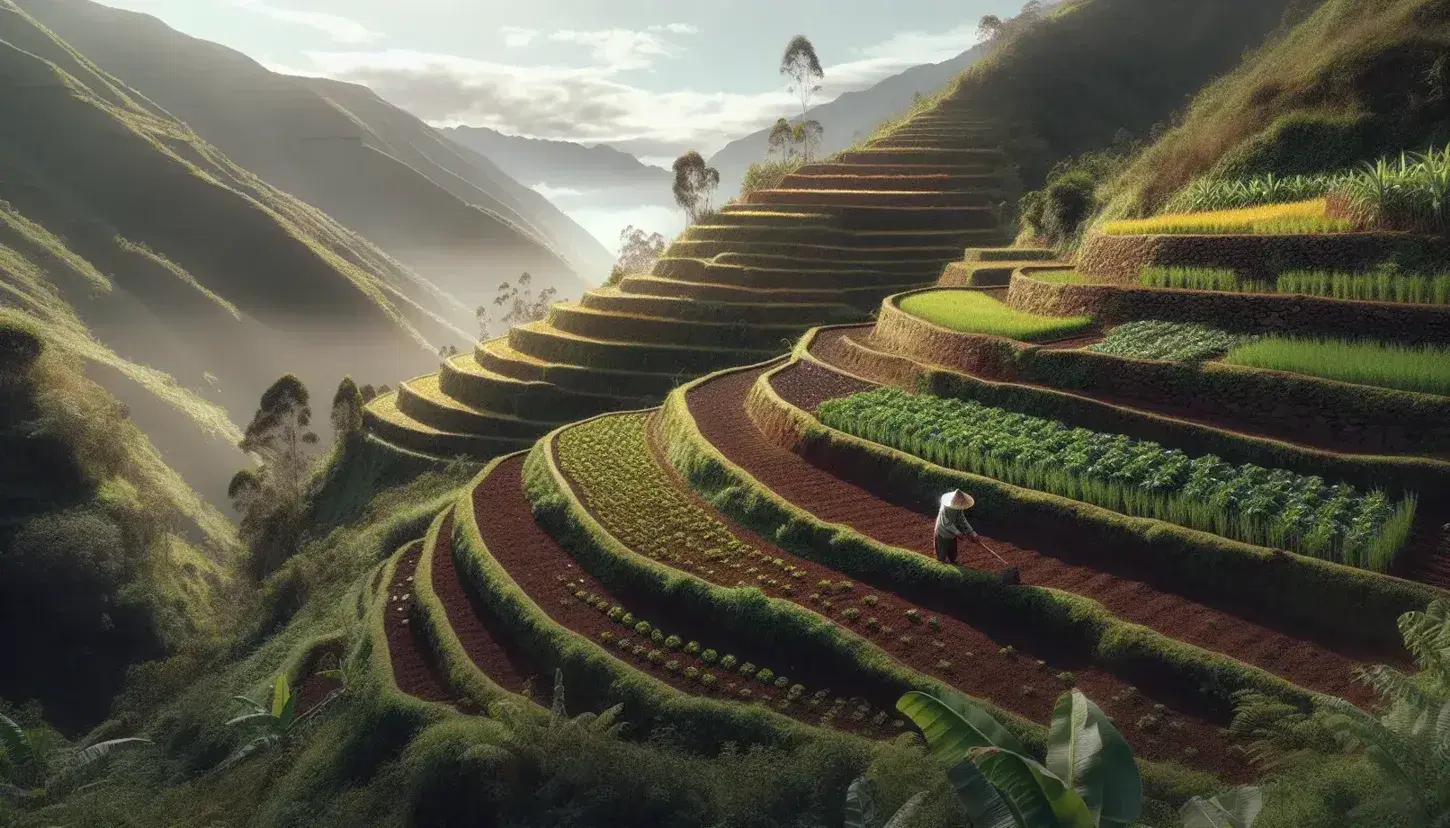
{"x": 601, "y": 171}
{"x": 1353, "y": 82}
{"x": 148, "y": 252}
{"x": 847, "y": 119}
{"x": 347, "y": 152}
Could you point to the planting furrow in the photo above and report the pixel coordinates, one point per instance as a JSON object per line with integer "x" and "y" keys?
{"x": 658, "y": 645}
{"x": 616, "y": 469}
{"x": 478, "y": 630}
{"x": 868, "y": 505}
{"x": 415, "y": 667}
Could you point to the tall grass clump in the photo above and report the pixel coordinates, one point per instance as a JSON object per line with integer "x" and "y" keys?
{"x": 1421, "y": 368}
{"x": 1378, "y": 286}
{"x": 767, "y": 175}
{"x": 1301, "y": 217}
{"x": 1210, "y": 194}
{"x": 1272, "y": 507}
{"x": 974, "y": 312}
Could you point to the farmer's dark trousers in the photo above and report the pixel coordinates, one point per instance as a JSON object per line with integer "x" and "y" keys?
{"x": 946, "y": 549}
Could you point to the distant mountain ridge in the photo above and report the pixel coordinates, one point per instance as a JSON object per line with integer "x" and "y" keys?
{"x": 380, "y": 171}
{"x": 560, "y": 163}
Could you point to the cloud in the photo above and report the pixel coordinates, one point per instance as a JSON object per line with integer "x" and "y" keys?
{"x": 594, "y": 104}
{"x": 676, "y": 28}
{"x": 620, "y": 49}
{"x": 336, "y": 27}
{"x": 515, "y": 37}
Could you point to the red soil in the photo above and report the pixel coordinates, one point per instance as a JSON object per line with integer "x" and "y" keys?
{"x": 414, "y": 668}
{"x": 536, "y": 562}
{"x": 1424, "y": 559}
{"x": 483, "y": 637}
{"x": 860, "y": 499}
{"x": 1015, "y": 681}
{"x": 314, "y": 688}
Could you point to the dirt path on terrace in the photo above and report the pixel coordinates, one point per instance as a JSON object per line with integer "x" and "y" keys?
{"x": 1250, "y": 634}
{"x": 414, "y": 668}
{"x": 484, "y": 639}
{"x": 1426, "y": 557}
{"x": 549, "y": 576}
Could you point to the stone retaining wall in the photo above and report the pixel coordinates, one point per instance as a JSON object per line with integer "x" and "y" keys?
{"x": 1121, "y": 259}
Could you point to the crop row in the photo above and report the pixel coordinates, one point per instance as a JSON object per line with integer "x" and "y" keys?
{"x": 1268, "y": 219}
{"x": 1421, "y": 368}
{"x": 1172, "y": 341}
{"x": 1381, "y": 285}
{"x": 1273, "y": 507}
{"x": 970, "y": 311}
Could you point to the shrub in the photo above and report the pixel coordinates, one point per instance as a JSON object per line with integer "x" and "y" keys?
{"x": 767, "y": 175}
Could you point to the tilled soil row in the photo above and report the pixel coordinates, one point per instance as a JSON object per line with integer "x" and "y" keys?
{"x": 550, "y": 578}
{"x": 859, "y": 498}
{"x": 1424, "y": 559}
{"x": 415, "y": 668}
{"x": 1020, "y": 672}
{"x": 478, "y": 629}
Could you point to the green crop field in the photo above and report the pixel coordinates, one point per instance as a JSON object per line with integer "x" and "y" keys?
{"x": 974, "y": 312}
{"x": 1425, "y": 369}
{"x": 1137, "y": 477}
{"x": 1172, "y": 341}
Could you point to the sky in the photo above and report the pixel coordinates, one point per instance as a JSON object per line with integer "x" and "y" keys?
{"x": 651, "y": 77}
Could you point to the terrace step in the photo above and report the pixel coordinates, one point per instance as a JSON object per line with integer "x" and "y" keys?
{"x": 497, "y": 356}
{"x": 382, "y": 417}
{"x": 1014, "y": 254}
{"x": 874, "y": 198}
{"x": 852, "y": 256}
{"x": 549, "y": 343}
{"x": 424, "y": 401}
{"x": 574, "y": 318}
{"x": 936, "y": 140}
{"x": 896, "y": 183}
{"x": 987, "y": 274}
{"x": 864, "y": 298}
{"x": 464, "y": 379}
{"x": 786, "y": 273}
{"x": 926, "y": 168}
{"x": 746, "y": 216}
{"x": 804, "y": 314}
{"x": 923, "y": 156}
{"x": 832, "y": 236}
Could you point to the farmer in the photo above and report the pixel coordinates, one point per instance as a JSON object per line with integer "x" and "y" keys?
{"x": 951, "y": 522}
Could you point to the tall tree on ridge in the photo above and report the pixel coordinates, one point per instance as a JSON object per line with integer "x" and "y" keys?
{"x": 800, "y": 64}
{"x": 270, "y": 497}
{"x": 781, "y": 139}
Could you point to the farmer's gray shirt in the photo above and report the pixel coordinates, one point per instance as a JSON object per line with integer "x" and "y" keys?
{"x": 952, "y": 522}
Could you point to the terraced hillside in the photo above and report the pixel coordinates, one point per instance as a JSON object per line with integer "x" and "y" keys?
{"x": 823, "y": 247}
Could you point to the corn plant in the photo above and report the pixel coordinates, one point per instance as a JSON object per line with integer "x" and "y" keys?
{"x": 1274, "y": 507}
{"x": 37, "y": 769}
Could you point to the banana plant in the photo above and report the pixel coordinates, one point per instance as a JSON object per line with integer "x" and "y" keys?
{"x": 1089, "y": 780}
{"x": 34, "y": 770}
{"x": 280, "y": 722}
{"x": 861, "y": 807}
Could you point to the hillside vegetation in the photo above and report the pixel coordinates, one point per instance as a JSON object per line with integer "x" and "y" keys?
{"x": 1069, "y": 83}
{"x": 143, "y": 240}
{"x": 107, "y": 558}
{"x": 374, "y": 168}
{"x": 1356, "y": 80}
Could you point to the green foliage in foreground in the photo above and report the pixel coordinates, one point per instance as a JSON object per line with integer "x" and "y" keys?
{"x": 1423, "y": 368}
{"x": 36, "y": 768}
{"x": 975, "y": 312}
{"x": 1247, "y": 502}
{"x": 1172, "y": 341}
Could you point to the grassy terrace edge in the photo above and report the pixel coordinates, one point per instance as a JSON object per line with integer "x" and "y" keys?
{"x": 1365, "y": 470}
{"x": 462, "y": 674}
{"x": 611, "y": 561}
{"x": 1313, "y": 590}
{"x": 736, "y": 493}
{"x": 586, "y": 664}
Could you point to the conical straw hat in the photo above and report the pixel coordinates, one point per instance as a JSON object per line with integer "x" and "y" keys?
{"x": 957, "y": 500}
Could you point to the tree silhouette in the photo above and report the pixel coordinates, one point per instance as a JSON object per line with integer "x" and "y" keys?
{"x": 989, "y": 27}
{"x": 515, "y": 306}
{"x": 807, "y": 135}
{"x": 694, "y": 183}
{"x": 347, "y": 410}
{"x": 781, "y": 140}
{"x": 270, "y": 497}
{"x": 800, "y": 64}
{"x": 638, "y": 253}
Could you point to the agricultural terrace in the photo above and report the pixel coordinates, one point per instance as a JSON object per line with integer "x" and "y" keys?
{"x": 619, "y": 479}
{"x": 1250, "y": 503}
{"x": 1268, "y": 220}
{"x": 970, "y": 311}
{"x": 1172, "y": 341}
{"x": 1423, "y": 369}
